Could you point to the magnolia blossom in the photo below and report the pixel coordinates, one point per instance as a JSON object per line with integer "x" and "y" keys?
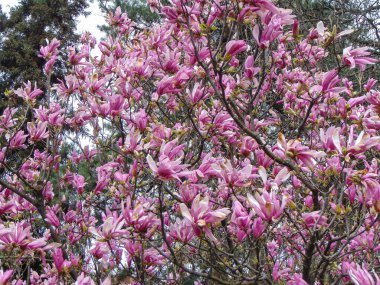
{"x": 111, "y": 228}
{"x": 234, "y": 47}
{"x": 38, "y": 132}
{"x": 360, "y": 276}
{"x": 267, "y": 206}
{"x": 295, "y": 150}
{"x": 19, "y": 235}
{"x": 240, "y": 220}
{"x": 314, "y": 219}
{"x": 167, "y": 168}
{"x": 201, "y": 216}
{"x": 5, "y": 276}
{"x": 358, "y": 56}
{"x": 18, "y": 140}
{"x": 28, "y": 93}
{"x": 182, "y": 230}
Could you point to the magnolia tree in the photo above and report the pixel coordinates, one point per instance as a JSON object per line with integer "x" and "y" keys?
{"x": 217, "y": 147}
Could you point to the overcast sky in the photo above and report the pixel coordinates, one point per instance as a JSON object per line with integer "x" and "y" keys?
{"x": 88, "y": 23}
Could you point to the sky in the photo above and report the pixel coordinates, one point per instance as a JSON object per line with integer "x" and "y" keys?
{"x": 88, "y": 23}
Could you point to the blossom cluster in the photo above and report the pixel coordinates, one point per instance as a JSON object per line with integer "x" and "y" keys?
{"x": 214, "y": 145}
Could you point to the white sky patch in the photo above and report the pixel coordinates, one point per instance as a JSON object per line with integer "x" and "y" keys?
{"x": 92, "y": 21}
{"x": 7, "y": 4}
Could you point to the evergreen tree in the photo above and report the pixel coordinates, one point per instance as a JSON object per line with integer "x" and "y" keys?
{"x": 362, "y": 16}
{"x": 137, "y": 10}
{"x": 26, "y": 28}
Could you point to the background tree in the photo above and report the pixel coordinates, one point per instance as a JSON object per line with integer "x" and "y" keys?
{"x": 26, "y": 28}
{"x": 363, "y": 17}
{"x": 138, "y": 11}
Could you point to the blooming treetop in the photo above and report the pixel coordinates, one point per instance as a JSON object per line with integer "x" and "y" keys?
{"x": 221, "y": 150}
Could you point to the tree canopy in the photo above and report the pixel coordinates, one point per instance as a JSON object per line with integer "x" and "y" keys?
{"x": 224, "y": 144}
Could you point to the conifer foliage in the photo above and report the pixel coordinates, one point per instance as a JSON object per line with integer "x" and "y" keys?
{"x": 29, "y": 24}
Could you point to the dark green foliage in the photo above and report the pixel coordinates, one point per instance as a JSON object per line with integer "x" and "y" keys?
{"x": 22, "y": 33}
{"x": 361, "y": 16}
{"x": 137, "y": 10}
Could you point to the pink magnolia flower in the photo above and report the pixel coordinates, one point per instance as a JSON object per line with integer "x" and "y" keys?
{"x": 84, "y": 280}
{"x": 314, "y": 219}
{"x": 182, "y": 230}
{"x": 89, "y": 153}
{"x": 100, "y": 250}
{"x": 249, "y": 68}
{"x": 267, "y": 206}
{"x": 48, "y": 191}
{"x": 329, "y": 81}
{"x": 38, "y": 132}
{"x": 294, "y": 149}
{"x": 189, "y": 191}
{"x": 331, "y": 139}
{"x": 54, "y": 116}
{"x": 5, "y": 276}
{"x": 233, "y": 177}
{"x": 116, "y": 104}
{"x": 297, "y": 279}
{"x": 6, "y": 119}
{"x": 240, "y": 221}
{"x": 140, "y": 119}
{"x": 360, "y": 276}
{"x": 295, "y": 29}
{"x": 170, "y": 13}
{"x": 111, "y": 228}
{"x": 258, "y": 227}
{"x": 197, "y": 93}
{"x": 140, "y": 217}
{"x": 201, "y": 216}
{"x": 203, "y": 53}
{"x": 153, "y": 257}
{"x": 280, "y": 178}
{"x": 79, "y": 183}
{"x": 132, "y": 142}
{"x": 27, "y": 93}
{"x": 247, "y": 146}
{"x": 362, "y": 143}
{"x": 369, "y": 183}
{"x": 59, "y": 261}
{"x": 278, "y": 273}
{"x": 167, "y": 168}
{"x": 271, "y": 32}
{"x": 235, "y": 46}
{"x": 75, "y": 57}
{"x": 50, "y": 64}
{"x": 19, "y": 235}
{"x": 51, "y": 217}
{"x": 358, "y": 56}
{"x": 5, "y": 206}
{"x": 370, "y": 84}
{"x": 103, "y": 180}
{"x": 100, "y": 108}
{"x": 18, "y": 140}
{"x": 50, "y": 50}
